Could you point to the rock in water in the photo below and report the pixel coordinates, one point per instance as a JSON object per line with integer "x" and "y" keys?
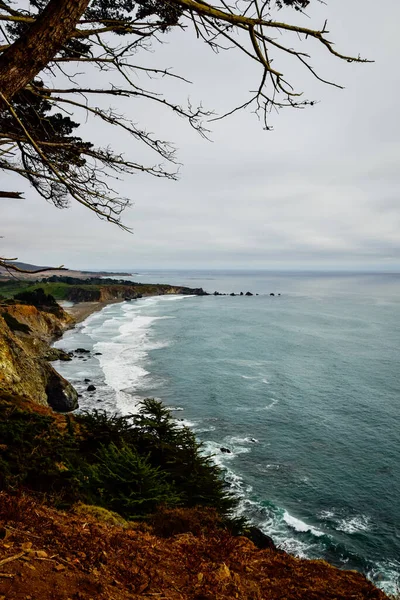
{"x": 57, "y": 354}
{"x": 225, "y": 450}
{"x": 91, "y": 388}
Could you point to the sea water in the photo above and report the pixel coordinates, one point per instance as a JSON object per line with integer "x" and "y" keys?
{"x": 303, "y": 389}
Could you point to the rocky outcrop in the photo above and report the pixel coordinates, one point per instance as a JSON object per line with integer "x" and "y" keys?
{"x": 260, "y": 539}
{"x": 61, "y": 396}
{"x": 25, "y": 333}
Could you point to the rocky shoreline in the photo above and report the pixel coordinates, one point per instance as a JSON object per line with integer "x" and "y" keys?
{"x": 32, "y": 320}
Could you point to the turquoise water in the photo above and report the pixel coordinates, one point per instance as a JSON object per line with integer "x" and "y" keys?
{"x": 302, "y": 388}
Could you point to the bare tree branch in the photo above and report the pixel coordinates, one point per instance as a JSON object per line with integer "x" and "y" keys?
{"x": 37, "y": 133}
{"x": 11, "y": 195}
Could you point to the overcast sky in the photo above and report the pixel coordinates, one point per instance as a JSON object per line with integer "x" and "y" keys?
{"x": 321, "y": 191}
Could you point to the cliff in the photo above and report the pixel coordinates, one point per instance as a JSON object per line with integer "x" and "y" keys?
{"x": 127, "y": 291}
{"x": 25, "y": 333}
{"x": 93, "y": 289}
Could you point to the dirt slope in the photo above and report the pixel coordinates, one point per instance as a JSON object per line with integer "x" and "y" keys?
{"x": 45, "y": 555}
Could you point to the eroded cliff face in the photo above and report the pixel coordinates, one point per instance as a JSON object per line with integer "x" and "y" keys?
{"x": 25, "y": 333}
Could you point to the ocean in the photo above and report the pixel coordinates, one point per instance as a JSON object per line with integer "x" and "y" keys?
{"x": 303, "y": 390}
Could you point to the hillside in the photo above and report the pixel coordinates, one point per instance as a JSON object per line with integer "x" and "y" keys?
{"x": 184, "y": 552}
{"x": 70, "y": 556}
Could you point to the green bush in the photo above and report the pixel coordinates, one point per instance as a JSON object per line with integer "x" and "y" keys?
{"x": 128, "y": 484}
{"x": 130, "y": 465}
{"x": 35, "y": 454}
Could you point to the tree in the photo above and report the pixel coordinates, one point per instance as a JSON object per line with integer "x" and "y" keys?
{"x": 44, "y": 41}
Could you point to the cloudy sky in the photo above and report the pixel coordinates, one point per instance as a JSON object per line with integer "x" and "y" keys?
{"x": 321, "y": 191}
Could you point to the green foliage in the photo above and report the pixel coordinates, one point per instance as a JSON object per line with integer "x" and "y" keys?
{"x": 35, "y": 454}
{"x": 173, "y": 449}
{"x": 37, "y": 297}
{"x": 179, "y": 454}
{"x": 14, "y": 324}
{"x": 130, "y": 465}
{"x": 13, "y": 288}
{"x": 128, "y": 484}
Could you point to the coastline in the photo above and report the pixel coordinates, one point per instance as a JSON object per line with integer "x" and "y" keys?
{"x": 82, "y": 310}
{"x": 297, "y": 527}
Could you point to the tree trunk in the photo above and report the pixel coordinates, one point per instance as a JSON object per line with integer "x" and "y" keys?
{"x": 24, "y": 59}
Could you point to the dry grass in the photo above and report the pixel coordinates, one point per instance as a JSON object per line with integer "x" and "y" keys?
{"x": 87, "y": 559}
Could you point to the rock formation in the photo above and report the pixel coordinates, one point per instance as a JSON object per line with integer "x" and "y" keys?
{"x": 25, "y": 334}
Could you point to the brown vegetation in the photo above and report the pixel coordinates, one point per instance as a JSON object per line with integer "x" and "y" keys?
{"x": 55, "y": 555}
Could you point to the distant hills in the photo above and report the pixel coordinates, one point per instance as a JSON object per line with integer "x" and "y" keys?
{"x": 5, "y": 274}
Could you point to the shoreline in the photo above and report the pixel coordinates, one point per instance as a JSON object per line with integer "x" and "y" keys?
{"x": 82, "y": 310}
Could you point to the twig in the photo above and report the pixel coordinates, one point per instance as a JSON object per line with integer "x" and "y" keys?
{"x": 22, "y": 532}
{"x": 11, "y": 558}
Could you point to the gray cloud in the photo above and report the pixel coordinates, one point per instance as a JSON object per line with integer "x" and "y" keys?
{"x": 322, "y": 190}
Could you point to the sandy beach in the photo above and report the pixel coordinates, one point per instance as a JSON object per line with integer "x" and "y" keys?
{"x": 81, "y": 310}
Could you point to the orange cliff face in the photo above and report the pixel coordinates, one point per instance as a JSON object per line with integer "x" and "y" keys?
{"x": 25, "y": 333}
{"x": 45, "y": 325}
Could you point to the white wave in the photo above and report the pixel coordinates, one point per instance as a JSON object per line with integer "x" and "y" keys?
{"x": 240, "y": 440}
{"x": 354, "y": 524}
{"x": 386, "y": 576}
{"x": 176, "y": 297}
{"x": 185, "y": 423}
{"x": 269, "y": 406}
{"x": 123, "y": 341}
{"x": 139, "y": 324}
{"x": 265, "y": 381}
{"x": 274, "y": 402}
{"x": 213, "y": 449}
{"x": 326, "y": 514}
{"x": 299, "y": 525}
{"x": 294, "y": 546}
{"x": 204, "y": 429}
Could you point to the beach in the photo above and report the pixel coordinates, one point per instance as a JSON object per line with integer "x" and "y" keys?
{"x": 82, "y": 310}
